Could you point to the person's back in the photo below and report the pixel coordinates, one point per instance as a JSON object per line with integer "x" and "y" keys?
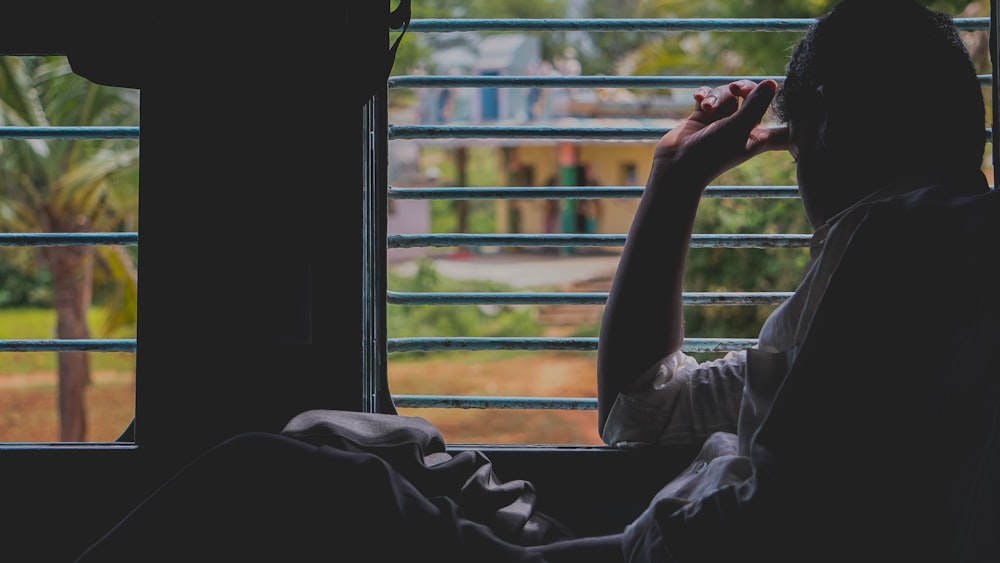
{"x": 886, "y": 410}
{"x": 910, "y": 303}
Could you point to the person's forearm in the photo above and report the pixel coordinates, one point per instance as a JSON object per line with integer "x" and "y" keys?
{"x": 643, "y": 318}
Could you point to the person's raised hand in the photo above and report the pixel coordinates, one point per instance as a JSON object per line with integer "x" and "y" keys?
{"x": 723, "y": 131}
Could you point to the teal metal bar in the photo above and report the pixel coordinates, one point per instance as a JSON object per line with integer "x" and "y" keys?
{"x": 582, "y": 192}
{"x": 534, "y": 240}
{"x": 470, "y": 402}
{"x": 441, "y": 81}
{"x": 434, "y": 344}
{"x": 526, "y": 132}
{"x": 498, "y": 132}
{"x": 640, "y": 24}
{"x": 62, "y": 132}
{"x": 483, "y": 298}
{"x": 574, "y": 298}
{"x": 472, "y": 81}
{"x": 65, "y": 345}
{"x": 69, "y": 239}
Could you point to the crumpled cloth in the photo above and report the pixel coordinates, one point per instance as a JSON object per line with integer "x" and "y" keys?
{"x": 416, "y": 450}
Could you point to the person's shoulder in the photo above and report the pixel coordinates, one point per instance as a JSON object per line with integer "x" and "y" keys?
{"x": 944, "y": 222}
{"x": 953, "y": 206}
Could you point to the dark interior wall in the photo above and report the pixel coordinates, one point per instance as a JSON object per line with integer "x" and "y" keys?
{"x": 250, "y": 240}
{"x": 259, "y": 168}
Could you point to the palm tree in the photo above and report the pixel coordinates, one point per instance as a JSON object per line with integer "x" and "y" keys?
{"x": 69, "y": 185}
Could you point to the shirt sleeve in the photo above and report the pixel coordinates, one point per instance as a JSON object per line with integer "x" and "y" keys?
{"x": 678, "y": 401}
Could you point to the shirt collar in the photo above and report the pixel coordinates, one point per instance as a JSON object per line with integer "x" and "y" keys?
{"x": 958, "y": 182}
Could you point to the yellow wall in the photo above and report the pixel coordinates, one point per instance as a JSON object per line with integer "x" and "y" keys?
{"x": 607, "y": 167}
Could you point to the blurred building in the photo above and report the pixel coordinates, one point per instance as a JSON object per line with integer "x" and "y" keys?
{"x": 543, "y": 162}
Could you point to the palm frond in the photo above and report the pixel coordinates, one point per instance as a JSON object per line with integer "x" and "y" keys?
{"x": 122, "y": 311}
{"x": 17, "y": 217}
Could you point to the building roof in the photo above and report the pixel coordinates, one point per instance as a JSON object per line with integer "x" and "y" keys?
{"x": 510, "y": 53}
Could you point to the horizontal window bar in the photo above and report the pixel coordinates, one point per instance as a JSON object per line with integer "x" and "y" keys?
{"x": 470, "y": 402}
{"x": 69, "y": 239}
{"x": 581, "y": 192}
{"x": 524, "y": 132}
{"x": 95, "y": 132}
{"x": 431, "y": 344}
{"x": 68, "y": 446}
{"x": 435, "y": 344}
{"x": 574, "y": 298}
{"x": 439, "y": 81}
{"x": 68, "y": 345}
{"x": 495, "y": 132}
{"x": 641, "y": 24}
{"x": 697, "y": 240}
{"x": 447, "y": 81}
{"x": 472, "y": 298}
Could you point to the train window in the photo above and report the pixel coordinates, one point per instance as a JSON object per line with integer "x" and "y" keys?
{"x": 515, "y": 149}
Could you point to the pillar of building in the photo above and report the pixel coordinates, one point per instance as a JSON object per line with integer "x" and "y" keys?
{"x": 569, "y": 160}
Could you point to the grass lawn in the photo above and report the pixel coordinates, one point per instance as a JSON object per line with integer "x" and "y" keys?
{"x": 29, "y": 392}
{"x": 32, "y": 324}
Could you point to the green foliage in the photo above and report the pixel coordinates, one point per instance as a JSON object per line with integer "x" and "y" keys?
{"x": 57, "y": 185}
{"x": 404, "y": 321}
{"x": 607, "y": 49}
{"x": 24, "y": 284}
{"x": 481, "y": 216}
{"x": 21, "y": 283}
{"x": 721, "y": 269}
{"x": 729, "y": 53}
{"x": 592, "y": 330}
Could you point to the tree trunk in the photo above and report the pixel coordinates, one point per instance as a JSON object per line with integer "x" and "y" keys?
{"x": 72, "y": 273}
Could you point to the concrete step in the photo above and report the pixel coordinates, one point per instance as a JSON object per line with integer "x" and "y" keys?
{"x": 569, "y": 315}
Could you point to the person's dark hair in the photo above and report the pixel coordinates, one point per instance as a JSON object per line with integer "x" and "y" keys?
{"x": 900, "y": 76}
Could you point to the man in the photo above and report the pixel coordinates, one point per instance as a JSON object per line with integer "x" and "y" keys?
{"x": 849, "y": 431}
{"x": 857, "y": 430}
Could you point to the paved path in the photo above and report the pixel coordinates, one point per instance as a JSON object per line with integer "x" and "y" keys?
{"x": 519, "y": 269}
{"x": 50, "y": 379}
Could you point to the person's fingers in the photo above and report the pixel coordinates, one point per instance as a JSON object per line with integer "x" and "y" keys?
{"x": 757, "y": 98}
{"x": 700, "y": 94}
{"x": 741, "y": 88}
{"x": 712, "y": 104}
{"x": 724, "y": 127}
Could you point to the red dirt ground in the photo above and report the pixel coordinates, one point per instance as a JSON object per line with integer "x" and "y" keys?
{"x": 28, "y": 407}
{"x": 28, "y": 402}
{"x": 543, "y": 375}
